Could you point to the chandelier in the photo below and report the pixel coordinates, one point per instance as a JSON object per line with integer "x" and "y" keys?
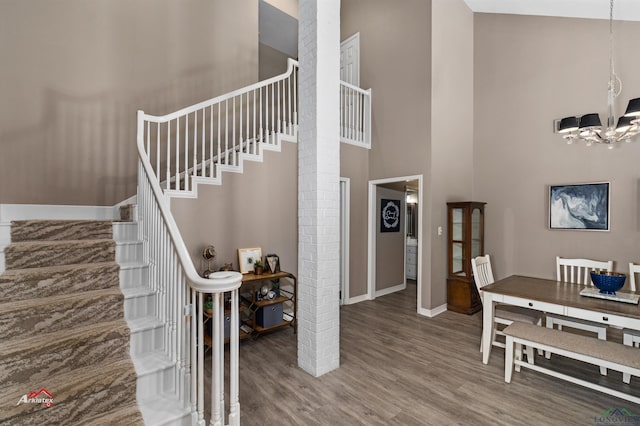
{"x": 588, "y": 128}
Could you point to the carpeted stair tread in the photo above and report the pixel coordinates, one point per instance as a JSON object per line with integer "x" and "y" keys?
{"x": 35, "y": 254}
{"x": 40, "y": 230}
{"x": 62, "y": 326}
{"x": 45, "y": 315}
{"x": 36, "y": 357}
{"x": 24, "y": 284}
{"x": 80, "y": 397}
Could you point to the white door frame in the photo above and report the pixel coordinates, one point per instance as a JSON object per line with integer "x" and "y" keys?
{"x": 371, "y": 246}
{"x": 345, "y": 202}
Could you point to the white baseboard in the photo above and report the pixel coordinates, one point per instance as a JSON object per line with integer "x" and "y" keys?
{"x": 9, "y": 212}
{"x": 356, "y": 299}
{"x": 432, "y": 312}
{"x": 131, "y": 200}
{"x": 390, "y": 290}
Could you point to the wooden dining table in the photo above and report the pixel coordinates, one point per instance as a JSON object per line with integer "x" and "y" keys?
{"x": 552, "y": 296}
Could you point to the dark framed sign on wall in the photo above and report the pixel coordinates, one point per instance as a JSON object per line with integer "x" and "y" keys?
{"x": 389, "y": 215}
{"x": 579, "y": 207}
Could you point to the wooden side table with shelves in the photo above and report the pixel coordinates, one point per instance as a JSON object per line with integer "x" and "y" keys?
{"x": 251, "y": 283}
{"x": 250, "y": 306}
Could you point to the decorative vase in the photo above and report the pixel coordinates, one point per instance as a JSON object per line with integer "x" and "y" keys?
{"x": 258, "y": 270}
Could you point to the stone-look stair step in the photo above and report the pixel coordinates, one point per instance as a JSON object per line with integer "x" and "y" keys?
{"x": 46, "y": 315}
{"x": 26, "y": 284}
{"x": 33, "y": 359}
{"x": 99, "y": 394}
{"x": 166, "y": 412}
{"x": 56, "y": 230}
{"x": 123, "y": 415}
{"x": 51, "y": 253}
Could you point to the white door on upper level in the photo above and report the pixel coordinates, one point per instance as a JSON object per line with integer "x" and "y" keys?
{"x": 350, "y": 60}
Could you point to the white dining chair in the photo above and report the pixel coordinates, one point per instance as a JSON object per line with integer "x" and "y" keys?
{"x": 577, "y": 271}
{"x": 504, "y": 315}
{"x": 633, "y": 270}
{"x": 631, "y": 337}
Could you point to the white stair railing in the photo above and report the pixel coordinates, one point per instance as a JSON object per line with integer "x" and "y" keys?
{"x": 191, "y": 146}
{"x": 355, "y": 115}
{"x": 179, "y": 294}
{"x": 195, "y": 144}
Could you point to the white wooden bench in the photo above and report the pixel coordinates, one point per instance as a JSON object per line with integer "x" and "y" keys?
{"x": 582, "y": 348}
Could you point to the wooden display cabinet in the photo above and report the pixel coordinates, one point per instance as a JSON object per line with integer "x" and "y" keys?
{"x": 465, "y": 240}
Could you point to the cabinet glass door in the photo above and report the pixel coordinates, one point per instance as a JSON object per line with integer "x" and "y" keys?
{"x": 457, "y": 241}
{"x": 476, "y": 246}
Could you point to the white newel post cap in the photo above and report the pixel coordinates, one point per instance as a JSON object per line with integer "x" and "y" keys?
{"x": 218, "y": 282}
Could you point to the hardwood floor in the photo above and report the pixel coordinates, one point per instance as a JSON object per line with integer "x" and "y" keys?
{"x": 398, "y": 368}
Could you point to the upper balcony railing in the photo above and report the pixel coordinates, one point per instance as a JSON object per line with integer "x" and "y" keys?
{"x": 355, "y": 115}
{"x": 193, "y": 145}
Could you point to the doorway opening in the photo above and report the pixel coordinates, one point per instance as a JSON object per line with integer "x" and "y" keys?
{"x": 388, "y": 242}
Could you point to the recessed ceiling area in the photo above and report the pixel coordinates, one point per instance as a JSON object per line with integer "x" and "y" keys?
{"x": 625, "y": 10}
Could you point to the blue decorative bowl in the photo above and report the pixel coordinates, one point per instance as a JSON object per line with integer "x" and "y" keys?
{"x": 608, "y": 282}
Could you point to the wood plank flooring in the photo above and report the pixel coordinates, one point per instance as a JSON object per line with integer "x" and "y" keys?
{"x": 398, "y": 368}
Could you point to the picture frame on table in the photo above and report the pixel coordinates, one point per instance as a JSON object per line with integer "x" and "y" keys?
{"x": 580, "y": 207}
{"x": 272, "y": 263}
{"x": 246, "y": 257}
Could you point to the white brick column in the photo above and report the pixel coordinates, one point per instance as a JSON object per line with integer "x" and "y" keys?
{"x": 319, "y": 186}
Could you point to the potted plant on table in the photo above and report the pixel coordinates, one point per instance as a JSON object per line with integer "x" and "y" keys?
{"x": 258, "y": 268}
{"x": 208, "y": 306}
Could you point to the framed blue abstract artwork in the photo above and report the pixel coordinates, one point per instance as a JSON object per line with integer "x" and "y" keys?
{"x": 579, "y": 207}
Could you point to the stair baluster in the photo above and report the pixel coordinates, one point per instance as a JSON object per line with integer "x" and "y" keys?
{"x": 261, "y": 115}
{"x": 176, "y": 279}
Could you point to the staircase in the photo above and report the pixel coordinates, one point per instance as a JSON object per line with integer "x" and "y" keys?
{"x": 62, "y": 321}
{"x": 101, "y": 321}
{"x": 79, "y": 319}
{"x": 178, "y": 152}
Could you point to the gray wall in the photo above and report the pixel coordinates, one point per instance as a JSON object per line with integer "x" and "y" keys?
{"x": 389, "y": 245}
{"x": 272, "y": 62}
{"x": 395, "y": 61}
{"x": 418, "y": 59}
{"x": 74, "y": 73}
{"x": 529, "y": 71}
{"x": 257, "y": 208}
{"x": 451, "y": 155}
{"x": 354, "y": 164}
